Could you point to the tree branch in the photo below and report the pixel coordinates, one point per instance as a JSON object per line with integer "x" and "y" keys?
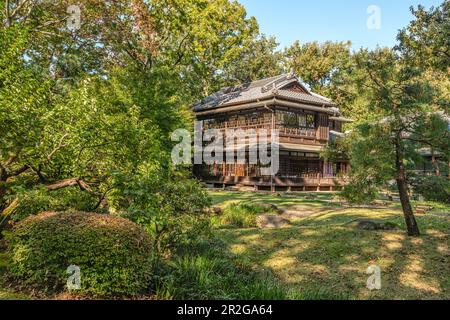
{"x": 19, "y": 7}
{"x": 70, "y": 183}
{"x": 8, "y": 19}
{"x": 57, "y": 148}
{"x": 62, "y": 184}
{"x": 11, "y": 160}
{"x": 19, "y": 171}
{"x": 38, "y": 171}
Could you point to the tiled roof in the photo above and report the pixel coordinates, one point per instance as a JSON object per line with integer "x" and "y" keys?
{"x": 260, "y": 90}
{"x": 303, "y": 97}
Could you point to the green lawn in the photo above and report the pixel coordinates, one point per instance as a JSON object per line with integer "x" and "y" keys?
{"x": 322, "y": 249}
{"x": 6, "y": 294}
{"x": 319, "y": 255}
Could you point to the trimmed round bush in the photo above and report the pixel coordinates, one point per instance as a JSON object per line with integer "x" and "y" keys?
{"x": 114, "y": 255}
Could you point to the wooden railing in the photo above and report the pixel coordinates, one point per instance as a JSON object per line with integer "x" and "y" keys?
{"x": 283, "y": 132}
{"x": 298, "y": 132}
{"x": 278, "y": 181}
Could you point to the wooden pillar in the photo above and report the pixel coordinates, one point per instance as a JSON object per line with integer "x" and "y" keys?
{"x": 224, "y": 165}
{"x": 272, "y": 187}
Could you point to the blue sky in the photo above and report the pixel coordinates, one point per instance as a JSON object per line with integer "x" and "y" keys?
{"x": 337, "y": 20}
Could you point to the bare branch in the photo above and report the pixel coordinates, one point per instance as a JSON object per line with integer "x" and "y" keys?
{"x": 18, "y": 8}
{"x": 7, "y": 16}
{"x": 62, "y": 184}
{"x": 57, "y": 148}
{"x": 11, "y": 160}
{"x": 70, "y": 183}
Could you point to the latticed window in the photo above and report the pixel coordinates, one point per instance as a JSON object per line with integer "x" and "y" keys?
{"x": 310, "y": 120}
{"x": 296, "y": 120}
{"x": 290, "y": 120}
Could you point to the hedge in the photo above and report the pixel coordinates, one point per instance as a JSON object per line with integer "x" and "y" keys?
{"x": 114, "y": 254}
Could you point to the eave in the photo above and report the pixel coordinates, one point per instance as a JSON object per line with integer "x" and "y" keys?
{"x": 341, "y": 119}
{"x": 267, "y": 103}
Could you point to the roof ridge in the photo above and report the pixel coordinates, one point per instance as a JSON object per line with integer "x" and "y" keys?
{"x": 273, "y": 84}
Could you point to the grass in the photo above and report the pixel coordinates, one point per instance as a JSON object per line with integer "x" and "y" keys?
{"x": 210, "y": 272}
{"x": 224, "y": 198}
{"x": 5, "y": 293}
{"x": 323, "y": 249}
{"x": 242, "y": 215}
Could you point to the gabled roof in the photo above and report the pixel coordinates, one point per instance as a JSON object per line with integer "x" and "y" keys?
{"x": 274, "y": 87}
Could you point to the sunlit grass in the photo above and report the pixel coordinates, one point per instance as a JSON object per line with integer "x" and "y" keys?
{"x": 324, "y": 249}
{"x": 242, "y": 215}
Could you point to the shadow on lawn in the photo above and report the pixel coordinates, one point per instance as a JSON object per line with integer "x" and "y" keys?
{"x": 344, "y": 216}
{"x": 226, "y": 197}
{"x": 337, "y": 258}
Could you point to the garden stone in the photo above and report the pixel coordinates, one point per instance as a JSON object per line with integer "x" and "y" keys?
{"x": 271, "y": 222}
{"x": 372, "y": 225}
{"x": 367, "y": 225}
{"x": 271, "y": 207}
{"x": 215, "y": 211}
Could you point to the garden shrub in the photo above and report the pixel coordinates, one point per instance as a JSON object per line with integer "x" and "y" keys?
{"x": 173, "y": 212}
{"x": 114, "y": 254}
{"x": 36, "y": 200}
{"x": 360, "y": 192}
{"x": 433, "y": 188}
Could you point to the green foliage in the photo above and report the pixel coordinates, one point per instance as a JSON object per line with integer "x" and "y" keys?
{"x": 35, "y": 201}
{"x": 3, "y": 261}
{"x": 259, "y": 59}
{"x": 337, "y": 149}
{"x": 372, "y": 163}
{"x": 241, "y": 215}
{"x": 114, "y": 254}
{"x": 68, "y": 111}
{"x": 360, "y": 192}
{"x": 382, "y": 145}
{"x": 114, "y": 135}
{"x": 317, "y": 64}
{"x": 173, "y": 212}
{"x": 433, "y": 188}
{"x": 426, "y": 39}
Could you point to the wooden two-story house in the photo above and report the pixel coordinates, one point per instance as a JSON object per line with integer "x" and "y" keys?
{"x": 305, "y": 121}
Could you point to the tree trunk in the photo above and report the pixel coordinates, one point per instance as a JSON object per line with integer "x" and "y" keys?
{"x": 410, "y": 220}
{"x": 437, "y": 170}
{"x": 5, "y": 216}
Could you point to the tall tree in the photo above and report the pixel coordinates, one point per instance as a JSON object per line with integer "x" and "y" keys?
{"x": 426, "y": 40}
{"x": 329, "y": 69}
{"x": 318, "y": 64}
{"x": 399, "y": 100}
{"x": 197, "y": 38}
{"x": 259, "y": 59}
